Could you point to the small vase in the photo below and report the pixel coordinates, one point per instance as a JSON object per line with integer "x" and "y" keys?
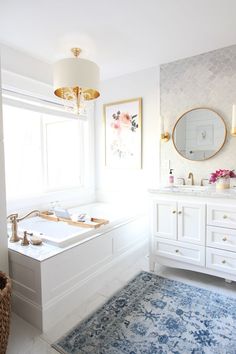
{"x": 223, "y": 183}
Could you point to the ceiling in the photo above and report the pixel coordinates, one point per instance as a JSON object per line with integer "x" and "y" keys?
{"x": 121, "y": 36}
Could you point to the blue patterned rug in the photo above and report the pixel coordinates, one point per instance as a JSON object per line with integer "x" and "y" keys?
{"x": 154, "y": 315}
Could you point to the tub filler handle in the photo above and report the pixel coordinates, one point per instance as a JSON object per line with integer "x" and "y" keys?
{"x": 14, "y": 218}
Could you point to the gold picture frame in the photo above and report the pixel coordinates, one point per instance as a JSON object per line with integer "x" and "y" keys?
{"x": 123, "y": 134}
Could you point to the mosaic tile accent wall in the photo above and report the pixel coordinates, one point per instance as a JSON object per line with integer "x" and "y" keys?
{"x": 207, "y": 80}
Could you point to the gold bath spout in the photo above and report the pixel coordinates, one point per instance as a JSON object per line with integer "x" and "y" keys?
{"x": 14, "y": 218}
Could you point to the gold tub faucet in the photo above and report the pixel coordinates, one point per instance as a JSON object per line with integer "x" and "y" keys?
{"x": 14, "y": 219}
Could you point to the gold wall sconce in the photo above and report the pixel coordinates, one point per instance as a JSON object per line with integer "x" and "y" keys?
{"x": 233, "y": 128}
{"x": 165, "y": 136}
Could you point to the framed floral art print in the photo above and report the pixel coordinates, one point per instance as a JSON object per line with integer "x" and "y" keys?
{"x": 123, "y": 134}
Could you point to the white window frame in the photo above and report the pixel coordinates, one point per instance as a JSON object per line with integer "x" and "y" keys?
{"x": 86, "y": 157}
{"x": 80, "y": 157}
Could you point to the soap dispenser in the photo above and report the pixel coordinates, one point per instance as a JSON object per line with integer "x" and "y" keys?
{"x": 171, "y": 177}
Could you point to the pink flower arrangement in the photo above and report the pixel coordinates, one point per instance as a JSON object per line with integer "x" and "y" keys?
{"x": 221, "y": 174}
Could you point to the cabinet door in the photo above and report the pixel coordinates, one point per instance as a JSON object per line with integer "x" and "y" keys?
{"x": 192, "y": 222}
{"x": 165, "y": 219}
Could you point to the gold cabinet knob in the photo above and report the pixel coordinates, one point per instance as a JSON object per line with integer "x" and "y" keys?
{"x": 176, "y": 251}
{"x": 224, "y": 261}
{"x": 174, "y": 212}
{"x": 180, "y": 212}
{"x": 224, "y": 238}
{"x": 225, "y": 216}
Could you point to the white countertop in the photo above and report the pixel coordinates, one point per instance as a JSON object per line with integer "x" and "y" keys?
{"x": 197, "y": 191}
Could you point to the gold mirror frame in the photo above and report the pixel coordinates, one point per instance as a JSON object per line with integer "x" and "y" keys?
{"x": 194, "y": 109}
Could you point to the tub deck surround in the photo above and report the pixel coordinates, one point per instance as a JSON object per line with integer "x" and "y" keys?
{"x": 50, "y": 281}
{"x": 48, "y": 250}
{"x": 62, "y": 235}
{"x": 38, "y": 253}
{"x": 194, "y": 228}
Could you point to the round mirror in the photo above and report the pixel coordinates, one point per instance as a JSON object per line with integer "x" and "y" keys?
{"x": 199, "y": 134}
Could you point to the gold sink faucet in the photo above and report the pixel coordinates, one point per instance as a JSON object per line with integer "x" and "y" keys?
{"x": 14, "y": 218}
{"x": 202, "y": 181}
{"x": 190, "y": 176}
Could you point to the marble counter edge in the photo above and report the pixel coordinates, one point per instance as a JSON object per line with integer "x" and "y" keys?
{"x": 229, "y": 194}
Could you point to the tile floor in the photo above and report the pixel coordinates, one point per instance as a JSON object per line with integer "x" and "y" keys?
{"x": 25, "y": 339}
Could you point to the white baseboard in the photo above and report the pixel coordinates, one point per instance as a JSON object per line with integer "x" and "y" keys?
{"x": 26, "y": 309}
{"x": 181, "y": 265}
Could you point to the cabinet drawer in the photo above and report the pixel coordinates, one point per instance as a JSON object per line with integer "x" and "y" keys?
{"x": 221, "y": 215}
{"x": 221, "y": 260}
{"x": 180, "y": 251}
{"x": 222, "y": 238}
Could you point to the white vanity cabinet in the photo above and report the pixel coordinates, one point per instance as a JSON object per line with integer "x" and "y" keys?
{"x": 179, "y": 220}
{"x": 194, "y": 232}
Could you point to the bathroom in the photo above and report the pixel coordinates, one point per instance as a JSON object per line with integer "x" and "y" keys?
{"x": 176, "y": 227}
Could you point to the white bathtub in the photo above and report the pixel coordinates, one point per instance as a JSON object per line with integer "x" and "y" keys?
{"x": 50, "y": 281}
{"x": 61, "y": 234}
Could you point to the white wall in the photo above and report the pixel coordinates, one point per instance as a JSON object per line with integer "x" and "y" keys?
{"x": 20, "y": 63}
{"x": 3, "y": 228}
{"x": 120, "y": 183}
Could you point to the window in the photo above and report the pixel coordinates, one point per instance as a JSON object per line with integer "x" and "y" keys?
{"x": 43, "y": 152}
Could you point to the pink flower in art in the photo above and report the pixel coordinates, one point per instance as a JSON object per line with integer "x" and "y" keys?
{"x": 125, "y": 119}
{"x": 116, "y": 124}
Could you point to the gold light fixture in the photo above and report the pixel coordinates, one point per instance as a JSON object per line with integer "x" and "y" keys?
{"x": 76, "y": 81}
{"x": 165, "y": 136}
{"x": 233, "y": 129}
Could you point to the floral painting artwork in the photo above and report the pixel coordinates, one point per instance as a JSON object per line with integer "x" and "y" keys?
{"x": 123, "y": 134}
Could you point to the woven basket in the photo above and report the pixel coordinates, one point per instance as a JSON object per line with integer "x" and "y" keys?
{"x": 5, "y": 311}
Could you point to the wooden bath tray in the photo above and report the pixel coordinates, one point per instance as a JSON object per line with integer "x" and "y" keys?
{"x": 95, "y": 222}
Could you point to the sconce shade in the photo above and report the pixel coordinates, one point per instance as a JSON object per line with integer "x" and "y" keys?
{"x": 73, "y": 74}
{"x": 233, "y": 128}
{"x": 165, "y": 136}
